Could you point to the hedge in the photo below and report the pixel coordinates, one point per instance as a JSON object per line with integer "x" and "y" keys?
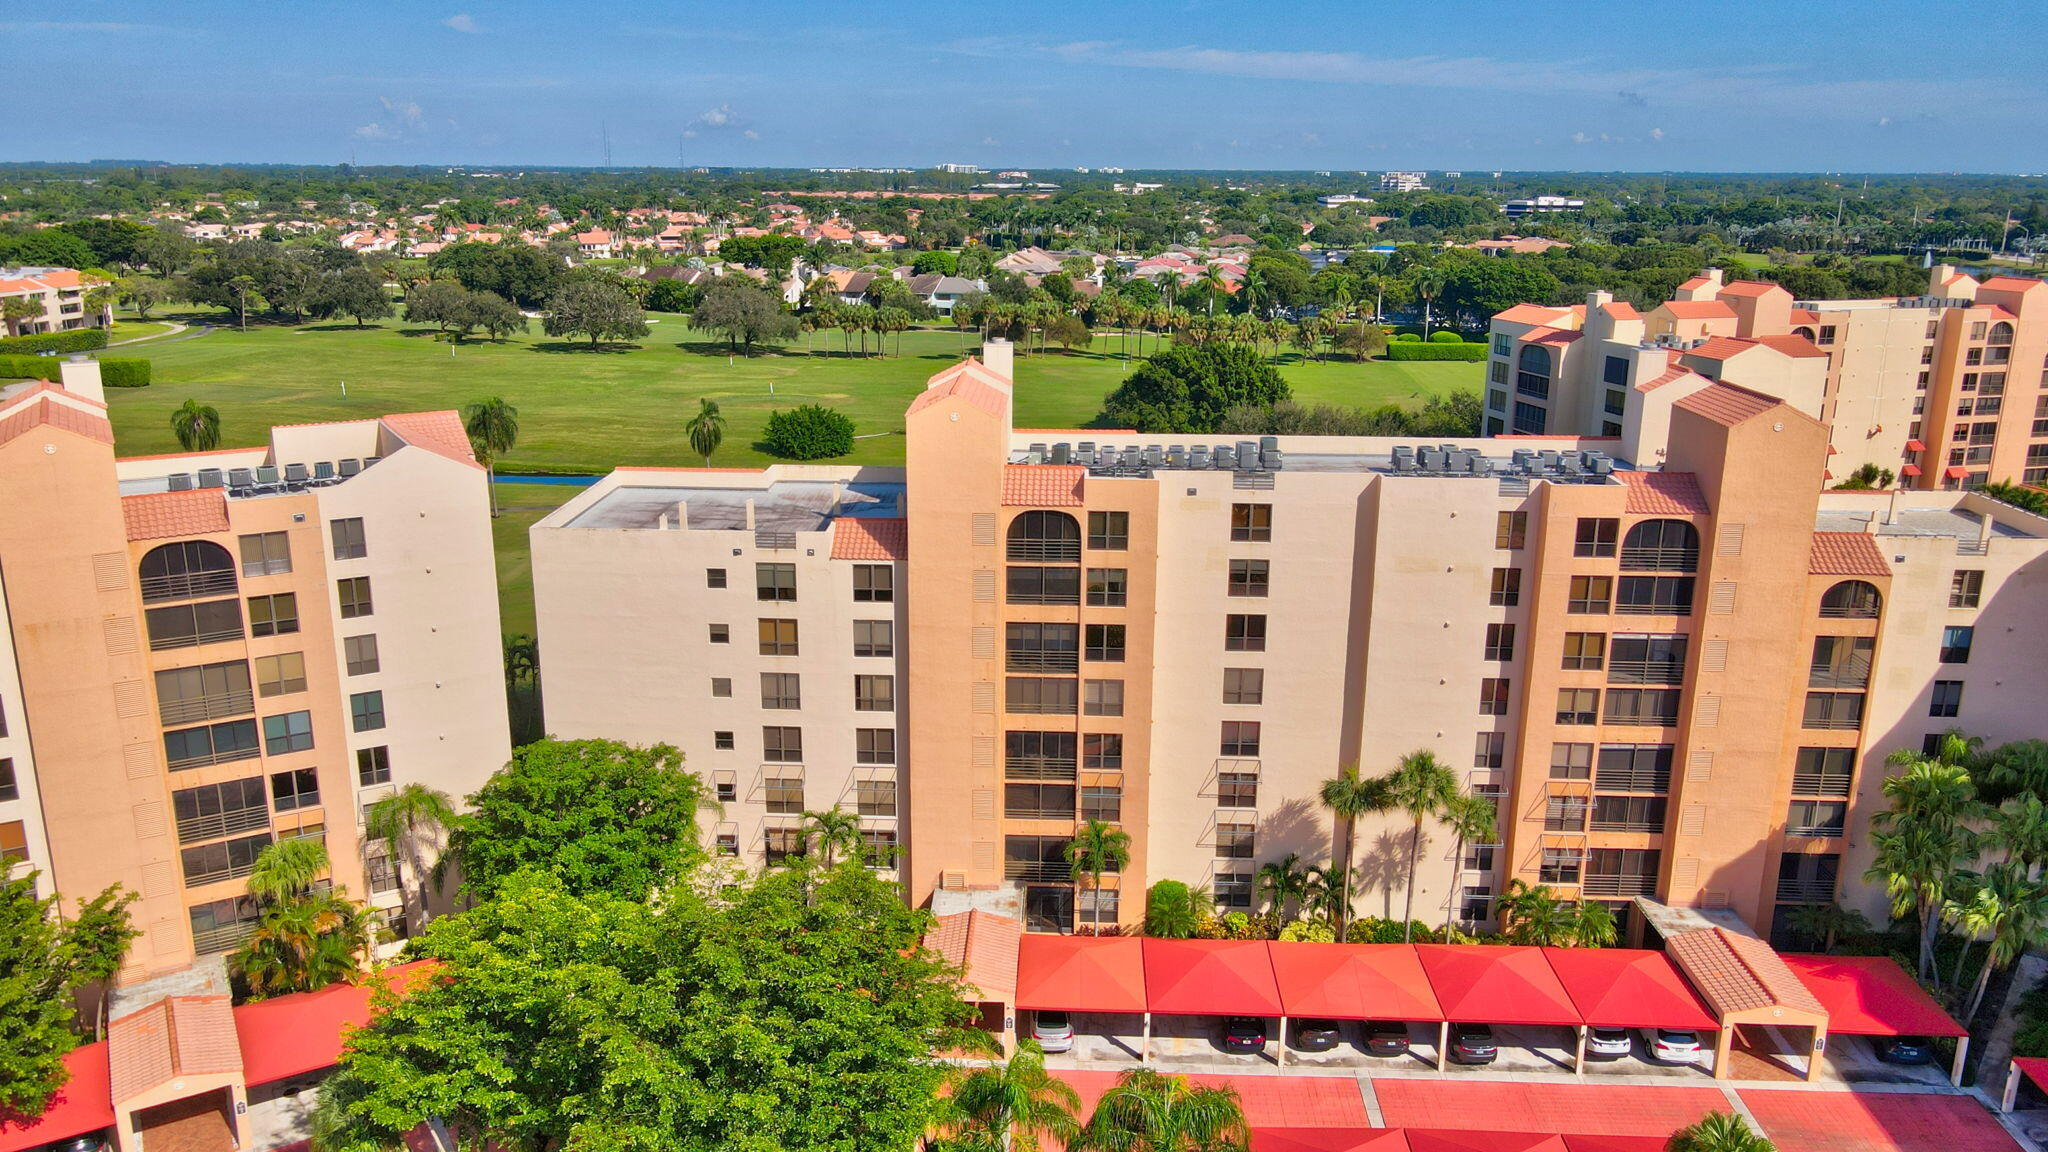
{"x": 128, "y": 373}
{"x": 1421, "y": 351}
{"x": 1445, "y": 338}
{"x": 76, "y": 340}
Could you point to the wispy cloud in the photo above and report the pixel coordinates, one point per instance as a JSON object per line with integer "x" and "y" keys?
{"x": 718, "y": 120}
{"x": 402, "y": 119}
{"x": 462, "y": 22}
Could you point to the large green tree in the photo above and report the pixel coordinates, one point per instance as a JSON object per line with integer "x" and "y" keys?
{"x": 595, "y": 308}
{"x": 44, "y": 963}
{"x": 744, "y": 314}
{"x": 601, "y": 815}
{"x": 1188, "y": 388}
{"x": 795, "y": 1012}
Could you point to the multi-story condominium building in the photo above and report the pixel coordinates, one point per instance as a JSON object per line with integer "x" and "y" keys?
{"x": 1945, "y": 390}
{"x": 61, "y": 292}
{"x": 202, "y": 654}
{"x": 1678, "y": 682}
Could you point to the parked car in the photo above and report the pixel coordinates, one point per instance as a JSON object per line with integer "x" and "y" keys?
{"x": 1054, "y": 1031}
{"x": 1386, "y": 1037}
{"x": 1317, "y": 1035}
{"x": 1672, "y": 1045}
{"x": 1473, "y": 1044}
{"x": 1906, "y": 1050}
{"x": 1606, "y": 1042}
{"x": 1244, "y": 1034}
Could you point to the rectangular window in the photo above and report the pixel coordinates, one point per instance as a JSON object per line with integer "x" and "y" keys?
{"x": 373, "y": 766}
{"x": 1633, "y": 768}
{"x": 1511, "y": 530}
{"x": 1584, "y": 651}
{"x": 1655, "y": 596}
{"x": 1240, "y": 738}
{"x": 366, "y": 711}
{"x": 722, "y": 741}
{"x": 1643, "y": 707}
{"x": 1615, "y": 371}
{"x": 266, "y": 554}
{"x": 1028, "y": 585}
{"x": 287, "y": 733}
{"x": 1622, "y": 872}
{"x": 361, "y": 653}
{"x": 213, "y": 744}
{"x": 1808, "y": 879}
{"x": 1841, "y": 662}
{"x": 721, "y": 634}
{"x": 210, "y": 863}
{"x": 1102, "y": 751}
{"x": 1108, "y": 587}
{"x": 10, "y": 788}
{"x": 874, "y": 693}
{"x": 775, "y": 582}
{"x": 1040, "y": 695}
{"x": 1955, "y": 643}
{"x": 1578, "y": 706}
{"x": 1561, "y": 865}
{"x": 1820, "y": 818}
{"x": 1596, "y": 536}
{"x": 781, "y": 690}
{"x": 1965, "y": 588}
{"x": 190, "y": 625}
{"x": 1038, "y": 801}
{"x": 784, "y": 795}
{"x": 1253, "y": 522}
{"x": 1500, "y": 642}
{"x": 354, "y": 594}
{"x": 1507, "y": 588}
{"x": 778, "y": 637}
{"x": 714, "y": 577}
{"x": 1590, "y": 595}
{"x": 282, "y": 674}
{"x": 1827, "y": 335}
{"x": 1237, "y": 790}
{"x": 1109, "y": 531}
{"x": 348, "y": 538}
{"x": 1490, "y": 750}
{"x": 1628, "y": 813}
{"x": 1105, "y": 643}
{"x": 1236, "y": 841}
{"x": 13, "y": 843}
{"x": 207, "y": 692}
{"x": 1104, "y": 697}
{"x": 1823, "y": 771}
{"x": 1647, "y": 660}
{"x": 1244, "y": 685}
{"x": 1244, "y": 633}
{"x": 874, "y": 745}
{"x": 874, "y": 583}
{"x": 1948, "y": 698}
{"x": 1041, "y": 647}
{"x": 782, "y": 745}
{"x": 1493, "y": 696}
{"x": 1040, "y": 755}
{"x": 1233, "y": 888}
{"x": 1104, "y": 802}
{"x": 779, "y": 844}
{"x": 1040, "y": 858}
{"x": 1564, "y": 814}
{"x": 1842, "y": 710}
{"x": 1530, "y": 419}
{"x": 1249, "y": 577}
{"x": 274, "y": 615}
{"x": 1616, "y": 403}
{"x": 875, "y": 797}
{"x": 874, "y": 637}
{"x": 1571, "y": 761}
{"x": 721, "y": 687}
{"x": 212, "y": 811}
{"x": 290, "y": 791}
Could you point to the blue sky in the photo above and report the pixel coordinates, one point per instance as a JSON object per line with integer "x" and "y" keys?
{"x": 1804, "y": 85}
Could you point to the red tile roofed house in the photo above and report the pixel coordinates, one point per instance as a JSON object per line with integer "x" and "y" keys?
{"x": 61, "y": 292}
{"x": 1847, "y": 554}
{"x": 596, "y": 244}
{"x": 174, "y": 1072}
{"x": 1743, "y": 982}
{"x": 1689, "y": 320}
{"x": 1663, "y": 494}
{"x": 983, "y": 946}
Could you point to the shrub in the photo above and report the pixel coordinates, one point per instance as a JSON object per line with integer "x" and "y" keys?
{"x": 809, "y": 432}
{"x": 129, "y": 373}
{"x": 1174, "y": 911}
{"x": 1407, "y": 338}
{"x": 29, "y": 367}
{"x": 1373, "y": 930}
{"x": 1188, "y": 388}
{"x": 76, "y": 340}
{"x": 1417, "y": 350}
{"x": 1445, "y": 338}
{"x": 1312, "y": 931}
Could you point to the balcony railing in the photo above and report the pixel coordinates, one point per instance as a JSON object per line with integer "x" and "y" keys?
{"x": 1817, "y": 831}
{"x": 224, "y": 939}
{"x": 1628, "y": 826}
{"x": 1042, "y": 871}
{"x": 206, "y": 707}
{"x": 1806, "y": 891}
{"x": 1042, "y": 660}
{"x": 1044, "y": 551}
{"x": 170, "y": 641}
{"x": 217, "y": 756}
{"x": 188, "y": 585}
{"x": 1827, "y": 676}
{"x": 1604, "y": 885}
{"x": 1025, "y": 812}
{"x": 1820, "y": 784}
{"x": 231, "y": 872}
{"x": 1660, "y": 559}
{"x": 1645, "y": 672}
{"x": 1040, "y": 768}
{"x": 215, "y": 825}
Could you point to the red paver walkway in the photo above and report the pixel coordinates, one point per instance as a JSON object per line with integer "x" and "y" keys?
{"x": 1269, "y": 1101}
{"x": 1590, "y": 1109}
{"x": 1875, "y": 1122}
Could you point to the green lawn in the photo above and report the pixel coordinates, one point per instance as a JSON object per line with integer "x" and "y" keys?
{"x": 590, "y": 411}
{"x": 521, "y": 505}
{"x": 137, "y": 330}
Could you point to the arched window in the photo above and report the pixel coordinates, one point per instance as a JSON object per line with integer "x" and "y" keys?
{"x": 2001, "y": 333}
{"x": 1805, "y": 332}
{"x": 1851, "y": 599}
{"x": 185, "y": 569}
{"x": 1661, "y": 546}
{"x": 1533, "y": 378}
{"x": 1036, "y": 537}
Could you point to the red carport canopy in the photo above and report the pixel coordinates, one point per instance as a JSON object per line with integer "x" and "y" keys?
{"x": 84, "y": 1104}
{"x": 1871, "y": 996}
{"x": 1210, "y": 978}
{"x": 2035, "y": 1068}
{"x": 1452, "y": 1140}
{"x": 1628, "y": 988}
{"x": 304, "y": 1032}
{"x": 1328, "y": 1140}
{"x": 1352, "y": 982}
{"x": 1080, "y": 973}
{"x": 1616, "y": 1143}
{"x": 1496, "y": 984}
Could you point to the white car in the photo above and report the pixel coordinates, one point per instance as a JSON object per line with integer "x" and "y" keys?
{"x": 1609, "y": 1042}
{"x": 1673, "y": 1046}
{"x": 1054, "y": 1031}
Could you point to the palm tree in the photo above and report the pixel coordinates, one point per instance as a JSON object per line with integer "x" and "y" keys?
{"x": 287, "y": 870}
{"x": 1150, "y": 1112}
{"x": 1827, "y": 922}
{"x": 1535, "y": 915}
{"x": 1427, "y": 282}
{"x": 493, "y": 428}
{"x": 1324, "y": 892}
{"x": 1424, "y": 789}
{"x": 1011, "y": 1105}
{"x": 1923, "y": 841}
{"x": 197, "y": 426}
{"x": 1592, "y": 925}
{"x": 1282, "y": 883}
{"x": 410, "y": 817}
{"x": 1097, "y": 847}
{"x": 834, "y": 832}
{"x": 706, "y": 429}
{"x": 2020, "y": 828}
{"x": 2015, "y": 914}
{"x": 1719, "y": 1132}
{"x": 1472, "y": 821}
{"x": 303, "y": 945}
{"x": 1173, "y": 909}
{"x": 1348, "y": 796}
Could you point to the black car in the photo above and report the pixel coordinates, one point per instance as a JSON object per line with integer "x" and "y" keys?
{"x": 1386, "y": 1038}
{"x": 1244, "y": 1034}
{"x": 1906, "y": 1050}
{"x": 1472, "y": 1044}
{"x": 1316, "y": 1035}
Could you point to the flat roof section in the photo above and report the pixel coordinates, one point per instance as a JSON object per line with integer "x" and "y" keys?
{"x": 1871, "y": 996}
{"x": 1955, "y": 523}
{"x": 783, "y": 506}
{"x": 1799, "y": 1121}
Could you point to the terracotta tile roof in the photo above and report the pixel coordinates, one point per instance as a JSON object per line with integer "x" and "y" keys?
{"x": 1698, "y": 309}
{"x": 1795, "y": 346}
{"x": 1547, "y": 335}
{"x": 44, "y": 387}
{"x": 1805, "y": 316}
{"x": 1042, "y": 485}
{"x": 200, "y": 512}
{"x": 1728, "y": 405}
{"x": 47, "y": 411}
{"x": 1846, "y": 554}
{"x": 1736, "y": 973}
{"x": 438, "y": 432}
{"x": 175, "y": 1037}
{"x": 1531, "y": 314}
{"x": 1672, "y": 375}
{"x": 1695, "y": 282}
{"x": 1663, "y": 494}
{"x": 2011, "y": 284}
{"x": 984, "y": 947}
{"x": 1750, "y": 288}
{"x": 968, "y": 380}
{"x": 1721, "y": 348}
{"x": 870, "y": 538}
{"x": 1621, "y": 310}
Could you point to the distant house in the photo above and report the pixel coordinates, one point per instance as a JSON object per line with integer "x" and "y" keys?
{"x": 596, "y": 244}
{"x": 853, "y": 289}
{"x": 1516, "y": 245}
{"x": 1337, "y": 198}
{"x": 1032, "y": 261}
{"x": 1539, "y": 205}
{"x": 60, "y": 291}
{"x": 943, "y": 292}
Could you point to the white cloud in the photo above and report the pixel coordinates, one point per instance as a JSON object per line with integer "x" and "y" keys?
{"x": 1581, "y": 138}
{"x": 402, "y": 118}
{"x": 1656, "y": 133}
{"x": 462, "y": 22}
{"x": 719, "y": 119}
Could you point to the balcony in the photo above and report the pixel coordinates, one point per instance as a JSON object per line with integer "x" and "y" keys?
{"x": 1044, "y": 551}
{"x": 1041, "y": 660}
{"x": 225, "y": 939}
{"x": 215, "y": 825}
{"x": 188, "y": 585}
{"x": 1040, "y": 767}
{"x": 1607, "y": 885}
{"x": 1646, "y": 672}
{"x": 1658, "y": 559}
{"x": 1039, "y": 871}
{"x": 1806, "y": 891}
{"x": 1829, "y": 784}
{"x": 206, "y": 707}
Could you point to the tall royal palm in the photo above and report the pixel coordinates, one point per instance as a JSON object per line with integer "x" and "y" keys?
{"x": 1472, "y": 821}
{"x": 407, "y": 820}
{"x": 1427, "y": 282}
{"x": 493, "y": 428}
{"x": 1150, "y": 1112}
{"x": 1348, "y": 796}
{"x": 1097, "y": 847}
{"x": 1422, "y": 789}
{"x": 1016, "y": 1105}
{"x": 1923, "y": 841}
{"x": 197, "y": 426}
{"x": 706, "y": 429}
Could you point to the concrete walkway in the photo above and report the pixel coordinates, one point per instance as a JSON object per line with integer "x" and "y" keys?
{"x": 176, "y": 326}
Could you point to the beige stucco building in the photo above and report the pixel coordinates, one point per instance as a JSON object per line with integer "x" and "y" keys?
{"x": 62, "y": 294}
{"x": 1679, "y": 682}
{"x": 207, "y": 653}
{"x": 1944, "y": 390}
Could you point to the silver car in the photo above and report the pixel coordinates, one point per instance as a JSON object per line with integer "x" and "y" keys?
{"x": 1054, "y": 1031}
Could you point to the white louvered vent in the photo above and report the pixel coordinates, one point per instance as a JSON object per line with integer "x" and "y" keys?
{"x": 985, "y": 529}
{"x": 130, "y": 699}
{"x": 163, "y": 938}
{"x": 120, "y": 634}
{"x": 1693, "y": 821}
{"x": 984, "y": 643}
{"x": 985, "y": 586}
{"x": 158, "y": 879}
{"x": 1721, "y": 600}
{"x": 140, "y": 760}
{"x": 149, "y": 819}
{"x": 109, "y": 571}
{"x": 985, "y": 855}
{"x": 1706, "y": 713}
{"x": 985, "y": 751}
{"x": 1714, "y": 656}
{"x": 1728, "y": 542}
{"x": 1699, "y": 766}
{"x": 982, "y": 805}
{"x": 1685, "y": 874}
{"x": 953, "y": 881}
{"x": 985, "y": 698}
